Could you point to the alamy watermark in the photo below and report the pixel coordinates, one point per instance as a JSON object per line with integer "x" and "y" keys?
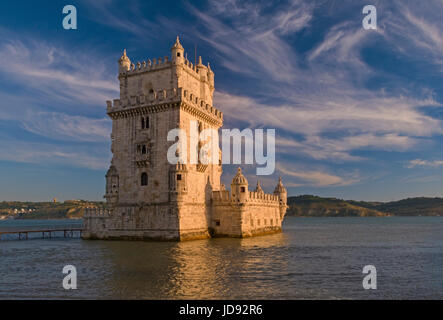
{"x": 370, "y": 280}
{"x": 370, "y": 20}
{"x": 204, "y": 147}
{"x": 70, "y": 20}
{"x": 70, "y": 281}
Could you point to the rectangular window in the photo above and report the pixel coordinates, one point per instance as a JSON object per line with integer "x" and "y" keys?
{"x": 243, "y": 189}
{"x": 179, "y": 177}
{"x": 217, "y": 223}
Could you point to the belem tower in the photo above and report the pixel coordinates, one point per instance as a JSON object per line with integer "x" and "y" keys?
{"x": 149, "y": 198}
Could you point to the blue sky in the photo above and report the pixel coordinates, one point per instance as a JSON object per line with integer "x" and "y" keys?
{"x": 358, "y": 113}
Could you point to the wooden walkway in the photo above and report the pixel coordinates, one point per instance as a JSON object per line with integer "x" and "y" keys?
{"x": 49, "y": 232}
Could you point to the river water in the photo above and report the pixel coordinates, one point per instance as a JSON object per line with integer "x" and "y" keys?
{"x": 313, "y": 258}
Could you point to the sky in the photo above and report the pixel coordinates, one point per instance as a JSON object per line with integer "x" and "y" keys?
{"x": 358, "y": 113}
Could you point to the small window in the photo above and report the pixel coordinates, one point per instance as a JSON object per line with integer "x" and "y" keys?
{"x": 144, "y": 179}
{"x": 217, "y": 223}
{"x": 179, "y": 177}
{"x": 264, "y": 222}
{"x": 252, "y": 222}
{"x": 178, "y": 54}
{"x": 272, "y": 222}
{"x": 242, "y": 189}
{"x": 258, "y": 222}
{"x": 144, "y": 149}
{"x": 147, "y": 123}
{"x": 143, "y": 123}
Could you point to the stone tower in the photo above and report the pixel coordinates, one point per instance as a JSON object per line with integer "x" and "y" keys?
{"x": 150, "y": 197}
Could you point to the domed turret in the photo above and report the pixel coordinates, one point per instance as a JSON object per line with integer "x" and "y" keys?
{"x": 280, "y": 191}
{"x": 239, "y": 187}
{"x": 124, "y": 63}
{"x": 239, "y": 178}
{"x": 177, "y": 52}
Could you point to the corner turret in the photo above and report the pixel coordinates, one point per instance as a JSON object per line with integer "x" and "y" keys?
{"x": 112, "y": 185}
{"x": 239, "y": 187}
{"x": 202, "y": 70}
{"x": 177, "y": 52}
{"x": 280, "y": 191}
{"x": 124, "y": 63}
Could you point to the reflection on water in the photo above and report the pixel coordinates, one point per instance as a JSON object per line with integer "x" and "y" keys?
{"x": 204, "y": 269}
{"x": 313, "y": 258}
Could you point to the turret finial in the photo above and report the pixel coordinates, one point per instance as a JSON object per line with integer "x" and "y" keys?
{"x": 177, "y": 44}
{"x": 279, "y": 188}
{"x": 124, "y": 62}
{"x": 258, "y": 187}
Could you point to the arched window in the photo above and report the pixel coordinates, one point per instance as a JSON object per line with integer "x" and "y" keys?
{"x": 143, "y": 123}
{"x": 144, "y": 179}
{"x": 144, "y": 149}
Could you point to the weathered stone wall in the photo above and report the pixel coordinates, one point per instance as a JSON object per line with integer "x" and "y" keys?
{"x": 258, "y": 214}
{"x": 180, "y": 201}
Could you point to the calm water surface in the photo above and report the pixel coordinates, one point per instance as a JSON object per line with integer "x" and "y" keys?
{"x": 314, "y": 258}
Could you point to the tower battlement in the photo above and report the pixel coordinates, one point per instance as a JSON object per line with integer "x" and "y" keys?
{"x": 164, "y": 97}
{"x": 147, "y": 66}
{"x": 166, "y": 73}
{"x": 150, "y": 198}
{"x": 165, "y": 62}
{"x": 224, "y": 196}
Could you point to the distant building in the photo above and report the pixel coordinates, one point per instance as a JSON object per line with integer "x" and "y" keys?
{"x": 149, "y": 198}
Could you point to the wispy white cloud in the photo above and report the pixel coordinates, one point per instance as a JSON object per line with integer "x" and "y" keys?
{"x": 417, "y": 30}
{"x": 315, "y": 178}
{"x": 65, "y": 127}
{"x": 52, "y": 87}
{"x": 54, "y": 73}
{"x": 424, "y": 163}
{"x": 393, "y": 124}
{"x": 254, "y": 36}
{"x": 90, "y": 157}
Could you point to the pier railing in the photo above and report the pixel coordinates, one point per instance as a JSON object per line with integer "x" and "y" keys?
{"x": 41, "y": 231}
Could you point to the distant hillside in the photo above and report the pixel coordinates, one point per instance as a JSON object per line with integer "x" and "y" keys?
{"x": 408, "y": 207}
{"x": 313, "y": 206}
{"x": 70, "y": 209}
{"x": 301, "y": 206}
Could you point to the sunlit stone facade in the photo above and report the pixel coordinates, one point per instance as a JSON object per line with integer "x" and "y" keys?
{"x": 149, "y": 198}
